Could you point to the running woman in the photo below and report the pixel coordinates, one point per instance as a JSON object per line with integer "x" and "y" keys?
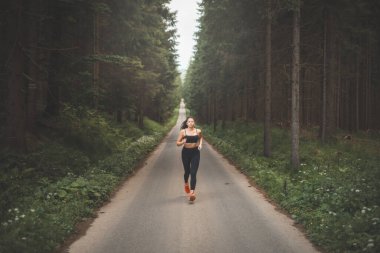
{"x": 191, "y": 138}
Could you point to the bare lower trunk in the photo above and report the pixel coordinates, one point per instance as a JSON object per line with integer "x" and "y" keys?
{"x": 16, "y": 100}
{"x": 268, "y": 83}
{"x": 357, "y": 119}
{"x": 324, "y": 98}
{"x": 295, "y": 87}
{"x": 55, "y": 65}
{"x": 214, "y": 112}
{"x": 31, "y": 30}
{"x": 140, "y": 117}
{"x": 331, "y": 75}
{"x": 95, "y": 77}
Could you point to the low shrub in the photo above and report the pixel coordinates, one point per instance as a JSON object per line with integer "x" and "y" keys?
{"x": 89, "y": 132}
{"x": 48, "y": 215}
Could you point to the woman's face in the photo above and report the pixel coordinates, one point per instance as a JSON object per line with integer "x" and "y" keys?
{"x": 190, "y": 122}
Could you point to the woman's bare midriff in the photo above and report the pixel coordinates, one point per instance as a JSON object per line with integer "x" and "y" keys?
{"x": 190, "y": 145}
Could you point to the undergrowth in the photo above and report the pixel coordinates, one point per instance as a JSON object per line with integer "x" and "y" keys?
{"x": 73, "y": 171}
{"x": 334, "y": 194}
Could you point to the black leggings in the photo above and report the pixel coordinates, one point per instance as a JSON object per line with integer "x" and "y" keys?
{"x": 190, "y": 160}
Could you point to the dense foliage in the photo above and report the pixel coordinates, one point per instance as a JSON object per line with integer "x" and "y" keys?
{"x": 334, "y": 194}
{"x": 85, "y": 87}
{"x": 339, "y": 60}
{"x": 113, "y": 56}
{"x": 243, "y": 71}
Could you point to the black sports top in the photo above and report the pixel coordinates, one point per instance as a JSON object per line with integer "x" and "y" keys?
{"x": 191, "y": 138}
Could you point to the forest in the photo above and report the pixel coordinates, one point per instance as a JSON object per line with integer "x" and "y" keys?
{"x": 87, "y": 90}
{"x": 338, "y": 70}
{"x": 115, "y": 57}
{"x": 288, "y": 90}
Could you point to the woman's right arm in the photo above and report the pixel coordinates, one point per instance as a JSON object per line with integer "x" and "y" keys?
{"x": 180, "y": 140}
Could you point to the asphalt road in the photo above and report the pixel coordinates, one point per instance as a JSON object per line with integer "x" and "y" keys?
{"x": 151, "y": 212}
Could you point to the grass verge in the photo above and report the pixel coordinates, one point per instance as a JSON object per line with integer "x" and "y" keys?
{"x": 335, "y": 193}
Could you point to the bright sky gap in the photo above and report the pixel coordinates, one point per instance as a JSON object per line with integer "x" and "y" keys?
{"x": 187, "y": 15}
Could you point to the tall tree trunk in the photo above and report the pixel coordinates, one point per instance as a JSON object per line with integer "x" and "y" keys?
{"x": 324, "y": 97}
{"x": 140, "y": 117}
{"x": 295, "y": 86}
{"x": 303, "y": 98}
{"x": 119, "y": 116}
{"x": 250, "y": 99}
{"x": 331, "y": 75}
{"x": 224, "y": 112}
{"x": 95, "y": 76}
{"x": 268, "y": 83}
{"x": 209, "y": 107}
{"x": 31, "y": 30}
{"x": 347, "y": 105}
{"x": 55, "y": 63}
{"x": 16, "y": 82}
{"x": 357, "y": 119}
{"x": 339, "y": 91}
{"x": 246, "y": 104}
{"x": 214, "y": 119}
{"x": 369, "y": 84}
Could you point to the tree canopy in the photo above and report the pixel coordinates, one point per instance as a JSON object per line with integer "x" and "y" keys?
{"x": 226, "y": 78}
{"x": 116, "y": 57}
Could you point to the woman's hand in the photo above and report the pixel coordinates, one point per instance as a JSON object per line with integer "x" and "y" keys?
{"x": 200, "y": 146}
{"x": 180, "y": 143}
{"x": 181, "y": 139}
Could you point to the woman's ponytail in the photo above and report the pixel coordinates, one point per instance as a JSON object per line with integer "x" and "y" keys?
{"x": 184, "y": 124}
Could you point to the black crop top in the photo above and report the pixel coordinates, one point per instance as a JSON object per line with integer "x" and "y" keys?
{"x": 191, "y": 138}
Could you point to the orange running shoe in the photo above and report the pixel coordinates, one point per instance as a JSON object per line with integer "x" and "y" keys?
{"x": 192, "y": 196}
{"x": 187, "y": 188}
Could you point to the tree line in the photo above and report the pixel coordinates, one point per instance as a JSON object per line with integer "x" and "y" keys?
{"x": 245, "y": 65}
{"x": 115, "y": 57}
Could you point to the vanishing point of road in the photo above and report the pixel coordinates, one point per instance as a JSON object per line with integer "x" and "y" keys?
{"x": 150, "y": 212}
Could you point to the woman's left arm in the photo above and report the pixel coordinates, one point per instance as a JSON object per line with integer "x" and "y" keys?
{"x": 181, "y": 138}
{"x": 200, "y": 139}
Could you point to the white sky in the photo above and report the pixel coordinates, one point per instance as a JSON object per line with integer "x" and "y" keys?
{"x": 187, "y": 16}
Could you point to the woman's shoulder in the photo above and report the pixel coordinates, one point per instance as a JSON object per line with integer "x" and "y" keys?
{"x": 199, "y": 130}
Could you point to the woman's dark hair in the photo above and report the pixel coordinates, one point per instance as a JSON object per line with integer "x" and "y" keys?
{"x": 184, "y": 124}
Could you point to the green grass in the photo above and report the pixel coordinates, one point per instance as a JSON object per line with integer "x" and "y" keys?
{"x": 45, "y": 193}
{"x": 334, "y": 194}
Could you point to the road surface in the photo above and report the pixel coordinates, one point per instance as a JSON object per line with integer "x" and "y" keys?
{"x": 150, "y": 213}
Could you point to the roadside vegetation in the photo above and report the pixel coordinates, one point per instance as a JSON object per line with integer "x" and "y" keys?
{"x": 334, "y": 194}
{"x": 76, "y": 165}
